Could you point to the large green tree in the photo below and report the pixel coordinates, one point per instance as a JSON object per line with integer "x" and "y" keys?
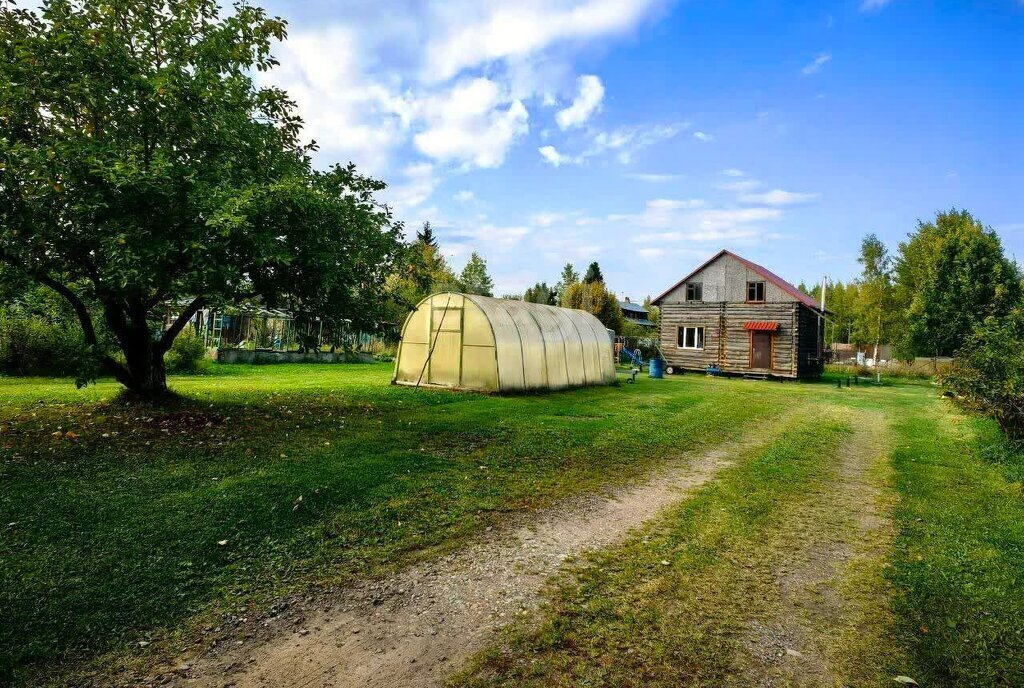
{"x": 142, "y": 169}
{"x": 951, "y": 274}
{"x": 474, "y": 278}
{"x": 653, "y": 312}
{"x": 877, "y": 317}
{"x": 595, "y": 298}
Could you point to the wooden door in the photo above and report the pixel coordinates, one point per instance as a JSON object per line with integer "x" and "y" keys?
{"x": 760, "y": 349}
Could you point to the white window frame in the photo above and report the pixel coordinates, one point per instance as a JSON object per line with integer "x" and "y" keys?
{"x": 701, "y": 338}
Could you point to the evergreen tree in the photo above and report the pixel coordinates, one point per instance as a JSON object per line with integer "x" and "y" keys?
{"x": 426, "y": 236}
{"x": 422, "y": 271}
{"x": 569, "y": 277}
{"x": 593, "y": 274}
{"x": 474, "y": 278}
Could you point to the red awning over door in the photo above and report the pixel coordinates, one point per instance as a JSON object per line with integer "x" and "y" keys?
{"x": 761, "y": 326}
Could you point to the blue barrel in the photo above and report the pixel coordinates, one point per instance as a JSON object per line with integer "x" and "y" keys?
{"x": 655, "y": 367}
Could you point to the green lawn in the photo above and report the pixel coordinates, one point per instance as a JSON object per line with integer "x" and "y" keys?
{"x": 310, "y": 475}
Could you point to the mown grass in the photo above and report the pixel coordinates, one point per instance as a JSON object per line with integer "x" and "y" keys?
{"x": 109, "y": 535}
{"x": 960, "y": 556}
{"x": 672, "y": 605}
{"x": 112, "y": 515}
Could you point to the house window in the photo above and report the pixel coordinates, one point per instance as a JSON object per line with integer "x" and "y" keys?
{"x": 694, "y": 291}
{"x": 691, "y": 338}
{"x": 755, "y": 292}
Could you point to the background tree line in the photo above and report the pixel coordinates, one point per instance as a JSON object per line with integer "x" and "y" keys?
{"x": 949, "y": 290}
{"x": 929, "y": 297}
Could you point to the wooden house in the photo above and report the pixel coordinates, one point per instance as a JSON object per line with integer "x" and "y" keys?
{"x": 740, "y": 318}
{"x": 635, "y": 313}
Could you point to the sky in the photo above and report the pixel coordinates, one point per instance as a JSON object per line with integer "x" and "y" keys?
{"x": 649, "y": 134}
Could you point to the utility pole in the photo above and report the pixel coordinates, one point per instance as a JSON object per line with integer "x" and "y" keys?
{"x": 824, "y": 320}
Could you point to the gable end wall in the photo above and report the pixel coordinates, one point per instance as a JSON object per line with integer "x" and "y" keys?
{"x": 725, "y": 279}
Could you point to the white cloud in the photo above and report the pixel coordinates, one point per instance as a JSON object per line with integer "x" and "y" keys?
{"x": 553, "y": 157}
{"x": 816, "y": 64}
{"x": 419, "y": 182}
{"x": 450, "y": 79}
{"x": 871, "y": 5}
{"x": 477, "y": 33}
{"x": 464, "y": 196}
{"x": 703, "y": 136}
{"x": 489, "y": 235}
{"x": 629, "y": 140}
{"x": 692, "y": 221}
{"x": 778, "y": 197}
{"x": 650, "y": 253}
{"x": 473, "y": 124}
{"x": 654, "y": 178}
{"x": 662, "y": 204}
{"x": 546, "y": 219}
{"x": 346, "y": 113}
{"x": 585, "y": 104}
{"x": 704, "y": 225}
{"x": 739, "y": 185}
{"x": 733, "y": 172}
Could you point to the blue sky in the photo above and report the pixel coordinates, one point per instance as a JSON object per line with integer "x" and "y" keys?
{"x": 648, "y": 134}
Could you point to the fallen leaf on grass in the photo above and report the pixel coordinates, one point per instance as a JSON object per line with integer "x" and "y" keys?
{"x": 905, "y": 680}
{"x": 222, "y": 543}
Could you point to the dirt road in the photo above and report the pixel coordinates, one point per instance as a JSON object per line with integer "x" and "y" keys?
{"x": 414, "y": 628}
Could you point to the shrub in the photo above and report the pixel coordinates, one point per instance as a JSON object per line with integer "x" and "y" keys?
{"x": 33, "y": 345}
{"x": 921, "y": 369}
{"x": 987, "y": 374}
{"x": 187, "y": 354}
{"x": 384, "y": 352}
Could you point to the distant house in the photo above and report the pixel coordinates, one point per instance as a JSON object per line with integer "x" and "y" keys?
{"x": 740, "y": 318}
{"x": 636, "y": 313}
{"x": 859, "y": 353}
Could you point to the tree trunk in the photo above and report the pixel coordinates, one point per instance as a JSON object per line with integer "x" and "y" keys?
{"x": 144, "y": 372}
{"x": 147, "y": 373}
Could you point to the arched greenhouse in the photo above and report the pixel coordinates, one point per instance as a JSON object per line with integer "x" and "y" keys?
{"x": 476, "y": 342}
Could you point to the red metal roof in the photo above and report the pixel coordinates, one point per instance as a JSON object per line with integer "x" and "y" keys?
{"x": 763, "y": 271}
{"x": 761, "y": 326}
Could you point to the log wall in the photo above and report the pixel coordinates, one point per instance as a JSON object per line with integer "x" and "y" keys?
{"x": 726, "y": 341}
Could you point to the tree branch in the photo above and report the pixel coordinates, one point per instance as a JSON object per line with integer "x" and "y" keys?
{"x": 112, "y": 366}
{"x": 182, "y": 320}
{"x": 81, "y": 310}
{"x": 119, "y": 372}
